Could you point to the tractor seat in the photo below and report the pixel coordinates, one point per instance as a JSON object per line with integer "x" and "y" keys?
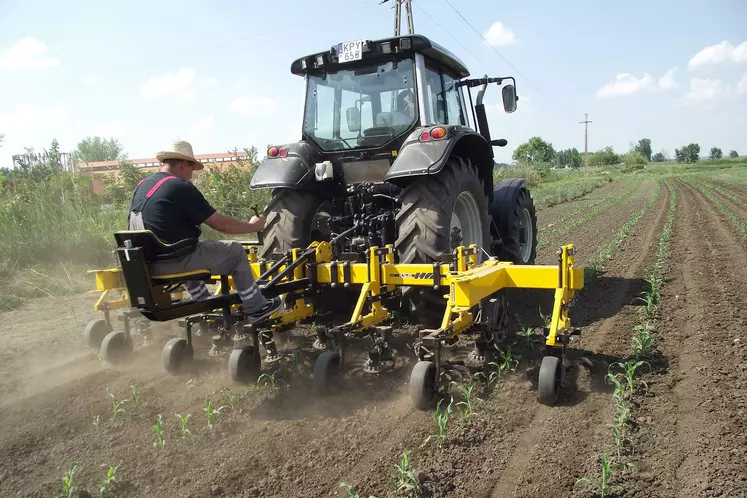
{"x": 153, "y": 248}
{"x": 176, "y": 278}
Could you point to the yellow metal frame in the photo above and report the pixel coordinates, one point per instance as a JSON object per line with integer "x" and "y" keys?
{"x": 468, "y": 283}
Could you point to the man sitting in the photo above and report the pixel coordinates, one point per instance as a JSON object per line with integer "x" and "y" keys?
{"x": 170, "y": 206}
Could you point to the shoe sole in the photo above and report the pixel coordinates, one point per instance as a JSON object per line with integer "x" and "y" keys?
{"x": 268, "y": 313}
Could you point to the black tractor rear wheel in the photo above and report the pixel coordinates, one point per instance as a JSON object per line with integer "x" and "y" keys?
{"x": 433, "y": 207}
{"x": 294, "y": 220}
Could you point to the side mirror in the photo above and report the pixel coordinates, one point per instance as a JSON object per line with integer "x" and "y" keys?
{"x": 353, "y": 116}
{"x": 509, "y": 98}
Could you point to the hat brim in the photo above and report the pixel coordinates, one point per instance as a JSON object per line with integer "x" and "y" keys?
{"x": 161, "y": 156}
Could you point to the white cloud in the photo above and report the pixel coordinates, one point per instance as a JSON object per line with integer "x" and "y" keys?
{"x": 252, "y": 106}
{"x": 28, "y": 53}
{"x": 498, "y": 35}
{"x": 92, "y": 79}
{"x": 627, "y": 84}
{"x": 26, "y": 117}
{"x": 202, "y": 126}
{"x": 182, "y": 85}
{"x": 706, "y": 89}
{"x": 742, "y": 85}
{"x": 719, "y": 54}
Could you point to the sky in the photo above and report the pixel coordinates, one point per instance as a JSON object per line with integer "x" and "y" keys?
{"x": 217, "y": 73}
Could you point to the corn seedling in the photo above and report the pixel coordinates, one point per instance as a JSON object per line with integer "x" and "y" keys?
{"x": 406, "y": 480}
{"x": 67, "y": 481}
{"x": 464, "y": 407}
{"x": 94, "y": 419}
{"x": 137, "y": 396}
{"x": 608, "y": 468}
{"x": 268, "y": 378}
{"x": 441, "y": 417}
{"x": 158, "y": 429}
{"x": 116, "y": 405}
{"x": 629, "y": 369}
{"x": 229, "y": 395}
{"x": 211, "y": 412}
{"x": 352, "y": 493}
{"x": 184, "y": 425}
{"x": 643, "y": 341}
{"x": 109, "y": 479}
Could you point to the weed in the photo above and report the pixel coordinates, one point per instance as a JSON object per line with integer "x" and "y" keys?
{"x": 406, "y": 480}
{"x": 109, "y": 479}
{"x": 441, "y": 417}
{"x": 67, "y": 481}
{"x": 184, "y": 425}
{"x": 211, "y": 412}
{"x": 158, "y": 429}
{"x": 607, "y": 469}
{"x": 116, "y": 405}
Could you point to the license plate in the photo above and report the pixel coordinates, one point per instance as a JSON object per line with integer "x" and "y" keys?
{"x": 350, "y": 51}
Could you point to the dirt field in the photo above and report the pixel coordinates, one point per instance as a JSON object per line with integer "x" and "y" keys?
{"x": 687, "y": 431}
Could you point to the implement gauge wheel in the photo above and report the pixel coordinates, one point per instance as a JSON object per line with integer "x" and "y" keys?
{"x": 423, "y": 385}
{"x": 242, "y": 365}
{"x": 95, "y": 332}
{"x": 175, "y": 353}
{"x": 548, "y": 384}
{"x": 115, "y": 348}
{"x": 326, "y": 373}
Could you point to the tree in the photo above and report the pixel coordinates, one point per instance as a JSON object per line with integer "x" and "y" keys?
{"x": 643, "y": 147}
{"x": 568, "y": 158}
{"x": 93, "y": 149}
{"x": 130, "y": 176}
{"x": 604, "y": 157}
{"x": 658, "y": 157}
{"x": 733, "y": 154}
{"x": 53, "y": 157}
{"x": 716, "y": 153}
{"x": 534, "y": 151}
{"x": 690, "y": 153}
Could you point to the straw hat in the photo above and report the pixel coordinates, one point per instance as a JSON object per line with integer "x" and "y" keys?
{"x": 180, "y": 150}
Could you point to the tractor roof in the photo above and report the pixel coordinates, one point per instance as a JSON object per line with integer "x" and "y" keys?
{"x": 382, "y": 50}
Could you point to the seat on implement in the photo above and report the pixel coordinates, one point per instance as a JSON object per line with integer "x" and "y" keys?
{"x": 137, "y": 249}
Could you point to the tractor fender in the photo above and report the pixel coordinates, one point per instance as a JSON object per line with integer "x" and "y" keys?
{"x": 292, "y": 171}
{"x": 502, "y": 204}
{"x": 418, "y": 158}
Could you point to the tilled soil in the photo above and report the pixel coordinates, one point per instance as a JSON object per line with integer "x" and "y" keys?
{"x": 282, "y": 441}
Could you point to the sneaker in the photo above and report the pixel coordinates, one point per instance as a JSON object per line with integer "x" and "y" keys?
{"x": 267, "y": 310}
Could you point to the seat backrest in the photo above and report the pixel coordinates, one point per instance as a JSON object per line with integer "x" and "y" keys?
{"x": 153, "y": 248}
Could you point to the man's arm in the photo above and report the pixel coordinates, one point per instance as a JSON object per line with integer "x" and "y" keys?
{"x": 227, "y": 224}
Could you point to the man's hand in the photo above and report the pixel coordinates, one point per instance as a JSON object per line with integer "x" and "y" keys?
{"x": 258, "y": 222}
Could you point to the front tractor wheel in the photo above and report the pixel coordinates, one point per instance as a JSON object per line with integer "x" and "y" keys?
{"x": 294, "y": 220}
{"x": 439, "y": 213}
{"x": 514, "y": 216}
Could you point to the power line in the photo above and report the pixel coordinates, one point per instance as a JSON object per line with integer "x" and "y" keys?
{"x": 493, "y": 48}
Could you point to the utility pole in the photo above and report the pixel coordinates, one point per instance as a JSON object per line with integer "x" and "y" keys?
{"x": 586, "y": 122}
{"x": 398, "y": 16}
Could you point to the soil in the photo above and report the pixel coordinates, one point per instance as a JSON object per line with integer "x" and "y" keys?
{"x": 689, "y": 437}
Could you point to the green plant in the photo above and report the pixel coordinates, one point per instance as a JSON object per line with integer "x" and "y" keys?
{"x": 229, "y": 395}
{"x": 406, "y": 479}
{"x": 94, "y": 418}
{"x": 607, "y": 469}
{"x": 116, "y": 405}
{"x": 109, "y": 479}
{"x": 67, "y": 481}
{"x": 137, "y": 396}
{"x": 464, "y": 407}
{"x": 643, "y": 340}
{"x": 268, "y": 378}
{"x": 629, "y": 369}
{"x": 352, "y": 493}
{"x": 211, "y": 412}
{"x": 441, "y": 417}
{"x": 158, "y": 429}
{"x": 184, "y": 425}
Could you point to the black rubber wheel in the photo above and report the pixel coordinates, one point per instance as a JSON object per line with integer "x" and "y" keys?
{"x": 115, "y": 349}
{"x": 517, "y": 227}
{"x": 294, "y": 220}
{"x": 424, "y": 222}
{"x": 95, "y": 332}
{"x": 423, "y": 385}
{"x": 175, "y": 354}
{"x": 326, "y": 373}
{"x": 242, "y": 366}
{"x": 548, "y": 384}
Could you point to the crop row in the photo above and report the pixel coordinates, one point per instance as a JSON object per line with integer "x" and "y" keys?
{"x": 739, "y": 225}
